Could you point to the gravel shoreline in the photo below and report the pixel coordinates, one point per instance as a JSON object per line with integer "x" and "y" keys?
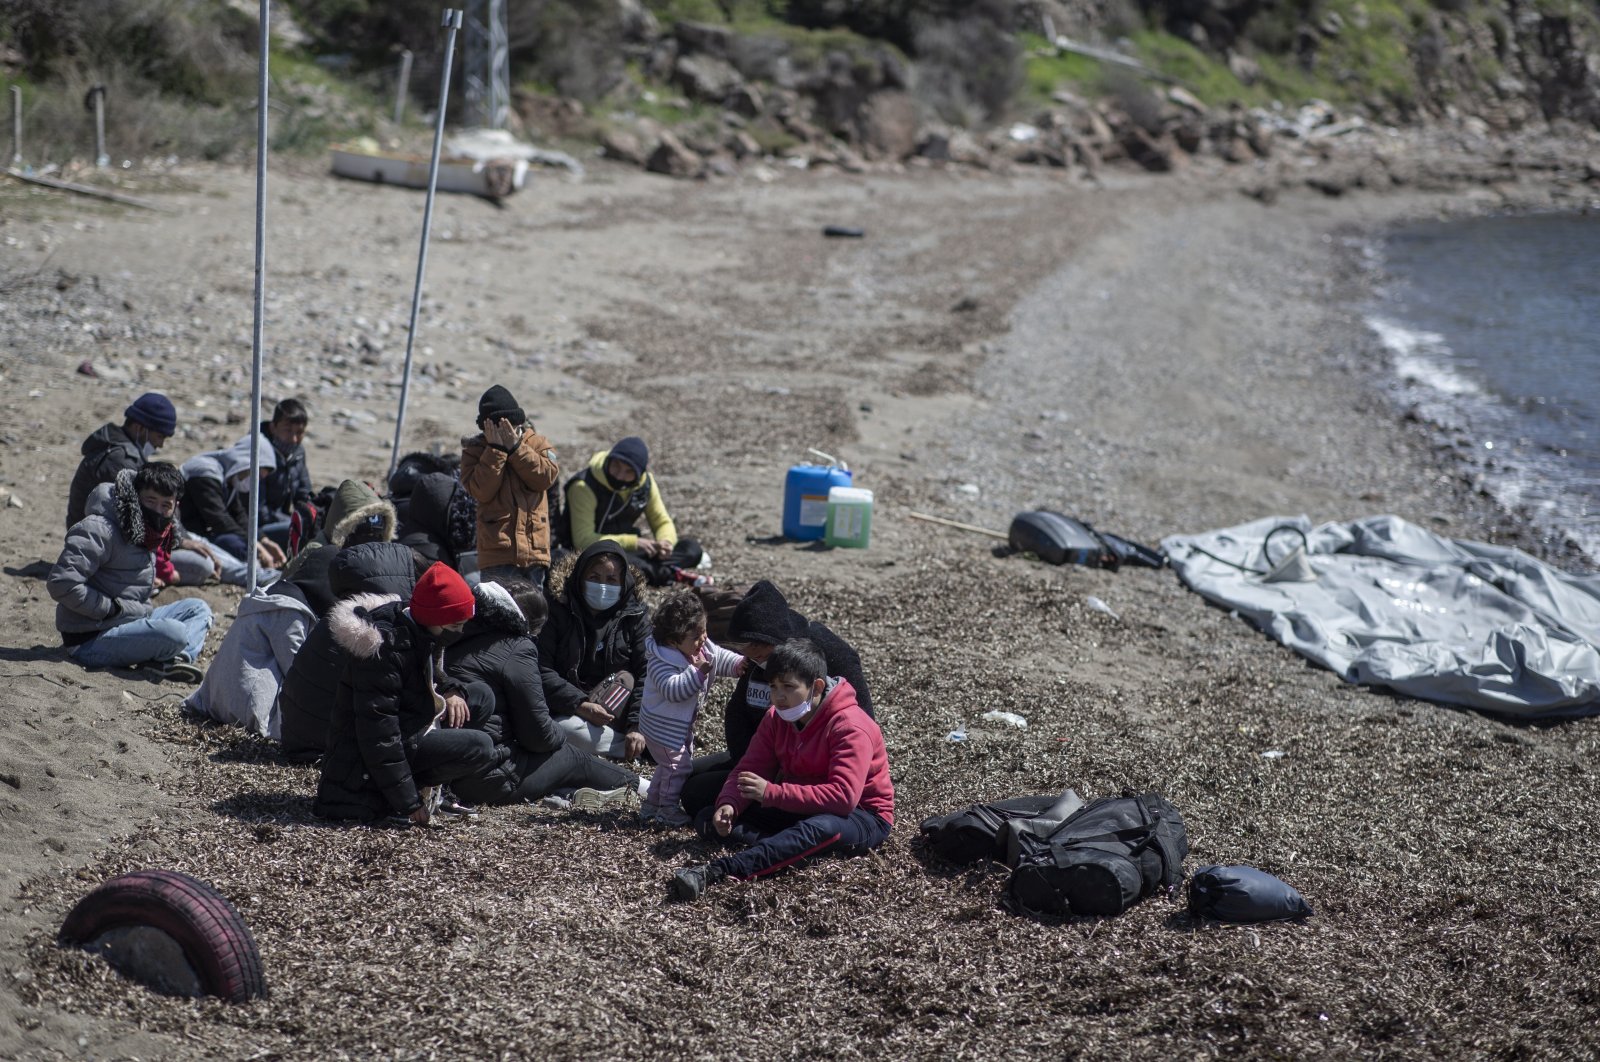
{"x": 1224, "y": 374}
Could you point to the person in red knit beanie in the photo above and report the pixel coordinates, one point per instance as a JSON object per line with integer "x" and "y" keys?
{"x": 401, "y": 728}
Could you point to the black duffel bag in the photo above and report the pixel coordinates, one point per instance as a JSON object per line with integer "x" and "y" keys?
{"x": 983, "y": 831}
{"x": 1110, "y": 855}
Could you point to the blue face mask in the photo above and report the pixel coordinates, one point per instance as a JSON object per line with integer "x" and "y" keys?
{"x": 601, "y": 596}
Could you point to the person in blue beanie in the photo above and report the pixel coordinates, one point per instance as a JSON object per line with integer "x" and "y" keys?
{"x": 146, "y": 426}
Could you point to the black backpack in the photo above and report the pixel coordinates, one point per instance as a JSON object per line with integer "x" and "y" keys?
{"x": 1108, "y": 856}
{"x": 986, "y": 831}
{"x": 1058, "y": 539}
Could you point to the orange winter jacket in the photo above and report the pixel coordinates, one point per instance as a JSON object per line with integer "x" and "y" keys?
{"x": 510, "y": 488}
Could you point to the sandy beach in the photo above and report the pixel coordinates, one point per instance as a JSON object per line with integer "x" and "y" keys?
{"x": 1154, "y": 355}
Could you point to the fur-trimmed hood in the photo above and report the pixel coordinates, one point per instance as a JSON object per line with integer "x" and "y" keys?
{"x": 496, "y": 612}
{"x": 352, "y": 625}
{"x": 118, "y": 502}
{"x": 353, "y": 503}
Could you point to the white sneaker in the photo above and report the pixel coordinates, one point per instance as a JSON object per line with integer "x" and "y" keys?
{"x": 600, "y": 799}
{"x": 705, "y": 561}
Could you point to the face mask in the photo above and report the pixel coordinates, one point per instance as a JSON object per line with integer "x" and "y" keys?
{"x": 601, "y": 596}
{"x": 795, "y": 714}
{"x": 448, "y": 636}
{"x": 147, "y": 451}
{"x": 154, "y": 521}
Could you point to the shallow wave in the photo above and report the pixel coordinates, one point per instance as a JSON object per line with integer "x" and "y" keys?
{"x": 1420, "y": 356}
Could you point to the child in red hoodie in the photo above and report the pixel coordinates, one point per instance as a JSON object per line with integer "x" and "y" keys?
{"x": 815, "y": 779}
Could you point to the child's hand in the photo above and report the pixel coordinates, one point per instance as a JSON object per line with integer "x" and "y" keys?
{"x": 752, "y": 786}
{"x": 723, "y": 820}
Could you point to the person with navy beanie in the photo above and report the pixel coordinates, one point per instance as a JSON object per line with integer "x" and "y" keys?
{"x": 146, "y": 426}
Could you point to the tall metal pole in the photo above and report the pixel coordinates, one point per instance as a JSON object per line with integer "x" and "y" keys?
{"x": 260, "y": 303}
{"x": 451, "y": 23}
{"x": 402, "y": 86}
{"x": 16, "y": 125}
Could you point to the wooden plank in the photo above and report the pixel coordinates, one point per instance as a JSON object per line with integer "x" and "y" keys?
{"x": 81, "y": 189}
{"x": 958, "y": 525}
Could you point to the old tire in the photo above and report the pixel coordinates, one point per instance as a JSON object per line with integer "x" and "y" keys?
{"x": 200, "y": 919}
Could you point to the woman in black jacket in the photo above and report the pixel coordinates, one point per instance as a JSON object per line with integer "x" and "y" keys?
{"x": 597, "y": 628}
{"x": 497, "y": 649}
{"x": 762, "y": 621}
{"x": 306, "y": 700}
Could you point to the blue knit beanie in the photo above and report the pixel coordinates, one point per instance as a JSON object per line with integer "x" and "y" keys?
{"x": 155, "y": 412}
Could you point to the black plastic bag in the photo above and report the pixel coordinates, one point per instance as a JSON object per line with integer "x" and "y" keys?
{"x": 1244, "y": 894}
{"x": 1058, "y": 539}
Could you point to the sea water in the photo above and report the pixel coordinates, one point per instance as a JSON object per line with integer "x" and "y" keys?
{"x": 1492, "y": 326}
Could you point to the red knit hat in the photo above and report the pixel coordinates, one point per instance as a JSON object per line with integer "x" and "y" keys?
{"x": 441, "y": 598}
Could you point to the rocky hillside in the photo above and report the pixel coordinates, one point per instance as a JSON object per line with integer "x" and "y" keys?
{"x": 695, "y": 86}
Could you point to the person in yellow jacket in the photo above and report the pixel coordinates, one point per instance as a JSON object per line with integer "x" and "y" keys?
{"x": 509, "y": 469}
{"x": 607, "y": 500}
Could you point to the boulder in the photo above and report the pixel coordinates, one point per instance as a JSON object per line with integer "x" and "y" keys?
{"x": 672, "y": 158}
{"x": 623, "y": 146}
{"x": 703, "y": 38}
{"x": 888, "y": 125}
{"x": 745, "y": 100}
{"x": 1155, "y": 154}
{"x": 705, "y": 77}
{"x": 743, "y": 145}
{"x": 1244, "y": 68}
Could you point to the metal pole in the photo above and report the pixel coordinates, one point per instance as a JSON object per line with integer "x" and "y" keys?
{"x": 260, "y": 303}
{"x": 16, "y": 125}
{"x": 402, "y": 86}
{"x": 452, "y": 23}
{"x": 101, "y": 159}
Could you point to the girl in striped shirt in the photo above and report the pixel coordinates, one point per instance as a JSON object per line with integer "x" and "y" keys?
{"x": 681, "y": 662}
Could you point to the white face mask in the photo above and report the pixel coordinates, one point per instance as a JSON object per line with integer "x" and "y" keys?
{"x": 795, "y": 714}
{"x": 243, "y": 486}
{"x": 147, "y": 451}
{"x": 601, "y": 596}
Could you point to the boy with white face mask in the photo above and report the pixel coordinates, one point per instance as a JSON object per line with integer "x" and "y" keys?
{"x": 834, "y": 796}
{"x": 147, "y": 424}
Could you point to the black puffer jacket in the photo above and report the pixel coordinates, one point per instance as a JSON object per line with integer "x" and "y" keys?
{"x": 385, "y": 703}
{"x": 497, "y": 650}
{"x": 306, "y": 700}
{"x": 579, "y": 647}
{"x": 105, "y": 453}
{"x": 426, "y": 527}
{"x": 765, "y": 616}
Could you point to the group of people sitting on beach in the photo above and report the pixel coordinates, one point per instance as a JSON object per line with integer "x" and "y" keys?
{"x": 418, "y": 644}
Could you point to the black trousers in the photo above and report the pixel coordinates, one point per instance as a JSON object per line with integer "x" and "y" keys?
{"x": 686, "y": 553}
{"x": 568, "y": 767}
{"x": 451, "y": 753}
{"x": 705, "y": 781}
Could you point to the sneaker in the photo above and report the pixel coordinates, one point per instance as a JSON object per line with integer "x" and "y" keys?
{"x": 687, "y": 884}
{"x": 671, "y": 819}
{"x": 647, "y": 814}
{"x": 431, "y": 796}
{"x": 705, "y": 561}
{"x": 599, "y": 799}
{"x": 176, "y": 671}
{"x": 556, "y": 801}
{"x": 455, "y": 809}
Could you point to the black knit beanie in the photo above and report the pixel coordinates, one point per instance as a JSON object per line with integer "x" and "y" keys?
{"x": 764, "y": 616}
{"x": 632, "y": 452}
{"x": 496, "y": 403}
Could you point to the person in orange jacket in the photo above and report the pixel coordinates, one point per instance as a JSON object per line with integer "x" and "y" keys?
{"x": 509, "y": 468}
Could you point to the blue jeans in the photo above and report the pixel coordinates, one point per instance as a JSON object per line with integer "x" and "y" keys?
{"x": 780, "y": 839}
{"x": 175, "y": 631}
{"x": 194, "y": 569}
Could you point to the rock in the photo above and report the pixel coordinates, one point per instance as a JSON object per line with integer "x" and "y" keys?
{"x": 705, "y": 77}
{"x": 703, "y": 38}
{"x": 743, "y": 145}
{"x": 1236, "y": 149}
{"x": 721, "y": 166}
{"x": 1189, "y": 135}
{"x": 1185, "y": 99}
{"x": 672, "y": 158}
{"x": 1155, "y": 154}
{"x": 639, "y": 25}
{"x": 888, "y": 125}
{"x": 745, "y": 100}
{"x": 1244, "y": 68}
{"x": 935, "y": 145}
{"x": 623, "y": 146}
{"x": 1330, "y": 186}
